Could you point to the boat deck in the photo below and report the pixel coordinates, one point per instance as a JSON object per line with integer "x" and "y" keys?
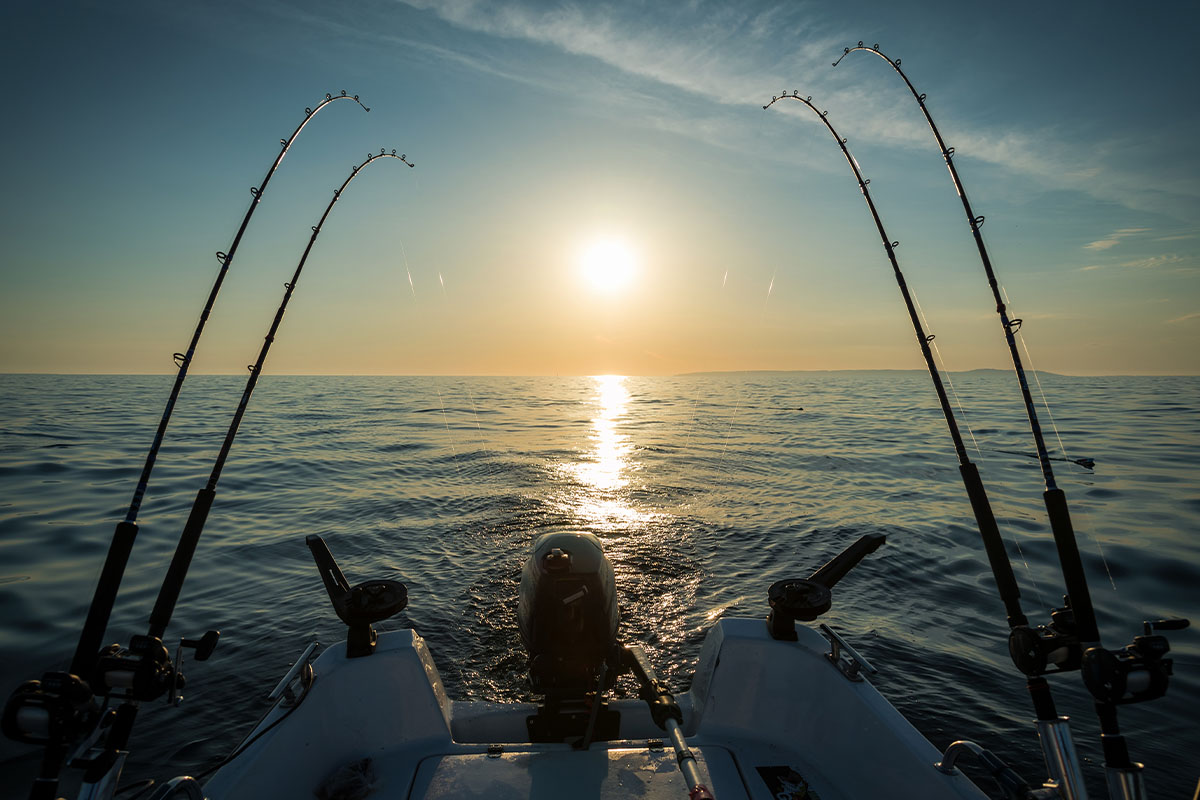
{"x": 766, "y": 719}
{"x": 598, "y": 772}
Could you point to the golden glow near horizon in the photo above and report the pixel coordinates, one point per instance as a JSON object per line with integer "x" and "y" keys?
{"x": 608, "y": 265}
{"x": 572, "y": 224}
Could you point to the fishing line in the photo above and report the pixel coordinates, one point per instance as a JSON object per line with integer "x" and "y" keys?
{"x": 441, "y": 401}
{"x": 998, "y": 560}
{"x": 474, "y": 410}
{"x": 91, "y": 638}
{"x": 709, "y": 489}
{"x": 696, "y": 396}
{"x": 692, "y": 421}
{"x": 1103, "y": 672}
{"x": 1083, "y": 512}
{"x": 1037, "y": 379}
{"x": 144, "y": 668}
{"x": 1004, "y": 533}
{"x": 177, "y": 571}
{"x": 946, "y": 372}
{"x": 475, "y": 414}
{"x": 729, "y": 430}
{"x": 446, "y": 420}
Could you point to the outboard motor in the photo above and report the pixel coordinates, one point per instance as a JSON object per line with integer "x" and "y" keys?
{"x": 567, "y": 612}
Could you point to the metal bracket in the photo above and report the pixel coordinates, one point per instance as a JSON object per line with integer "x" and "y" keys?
{"x": 301, "y": 670}
{"x": 849, "y": 664}
{"x": 106, "y": 785}
{"x": 92, "y": 740}
{"x": 184, "y": 786}
{"x": 1012, "y": 786}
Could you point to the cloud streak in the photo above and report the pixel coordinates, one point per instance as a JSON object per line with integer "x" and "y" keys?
{"x": 716, "y": 52}
{"x": 1114, "y": 238}
{"x": 1153, "y": 262}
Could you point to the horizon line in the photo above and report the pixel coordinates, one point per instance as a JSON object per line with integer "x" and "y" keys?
{"x": 624, "y": 375}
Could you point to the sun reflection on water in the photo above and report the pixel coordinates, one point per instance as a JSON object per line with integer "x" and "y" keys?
{"x": 604, "y": 471}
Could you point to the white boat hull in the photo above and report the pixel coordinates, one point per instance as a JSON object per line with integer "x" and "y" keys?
{"x": 766, "y": 719}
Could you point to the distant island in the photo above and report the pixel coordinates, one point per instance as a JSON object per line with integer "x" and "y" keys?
{"x": 980, "y": 371}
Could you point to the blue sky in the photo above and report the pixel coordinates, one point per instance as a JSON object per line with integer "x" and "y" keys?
{"x": 133, "y": 132}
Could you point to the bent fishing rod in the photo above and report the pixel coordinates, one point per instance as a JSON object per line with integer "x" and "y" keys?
{"x": 1099, "y": 666}
{"x": 1064, "y": 770}
{"x": 91, "y": 638}
{"x": 172, "y": 584}
{"x": 63, "y": 705}
{"x": 1055, "y": 499}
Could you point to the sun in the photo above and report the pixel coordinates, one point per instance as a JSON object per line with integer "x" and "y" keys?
{"x": 608, "y": 265}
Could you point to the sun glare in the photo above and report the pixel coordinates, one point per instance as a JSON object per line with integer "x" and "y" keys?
{"x": 608, "y": 265}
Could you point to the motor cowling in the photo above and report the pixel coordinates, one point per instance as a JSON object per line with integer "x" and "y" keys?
{"x": 567, "y": 611}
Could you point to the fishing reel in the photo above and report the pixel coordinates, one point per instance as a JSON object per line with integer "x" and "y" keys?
{"x": 1047, "y": 649}
{"x": 61, "y": 706}
{"x": 145, "y": 670}
{"x": 1136, "y": 673}
{"x": 58, "y": 708}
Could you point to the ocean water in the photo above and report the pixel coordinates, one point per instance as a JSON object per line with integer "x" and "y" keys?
{"x": 704, "y": 489}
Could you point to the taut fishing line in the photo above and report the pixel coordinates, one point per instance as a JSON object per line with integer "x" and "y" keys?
{"x": 937, "y": 353}
{"x": 446, "y": 421}
{"x": 1083, "y": 511}
{"x": 998, "y": 560}
{"x": 1072, "y": 639}
{"x": 147, "y": 656}
{"x": 1037, "y": 380}
{"x": 1004, "y": 532}
{"x": 91, "y": 637}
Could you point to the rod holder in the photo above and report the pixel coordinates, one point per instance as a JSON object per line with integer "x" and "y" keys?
{"x": 358, "y": 606}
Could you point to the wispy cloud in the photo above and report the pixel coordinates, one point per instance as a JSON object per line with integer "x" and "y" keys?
{"x": 724, "y": 55}
{"x": 1184, "y": 318}
{"x": 1152, "y": 262}
{"x": 695, "y": 59}
{"x": 1114, "y": 238}
{"x": 734, "y": 59}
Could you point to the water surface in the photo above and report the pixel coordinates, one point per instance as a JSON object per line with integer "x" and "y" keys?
{"x": 704, "y": 490}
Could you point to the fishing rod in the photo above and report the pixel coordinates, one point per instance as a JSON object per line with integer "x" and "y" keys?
{"x": 1105, "y": 675}
{"x": 172, "y": 584}
{"x": 66, "y": 696}
{"x": 1063, "y": 767}
{"x": 91, "y": 638}
{"x": 61, "y": 707}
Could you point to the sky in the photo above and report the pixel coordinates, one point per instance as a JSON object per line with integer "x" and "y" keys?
{"x": 597, "y": 187}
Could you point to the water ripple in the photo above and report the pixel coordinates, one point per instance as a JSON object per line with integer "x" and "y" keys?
{"x": 704, "y": 489}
